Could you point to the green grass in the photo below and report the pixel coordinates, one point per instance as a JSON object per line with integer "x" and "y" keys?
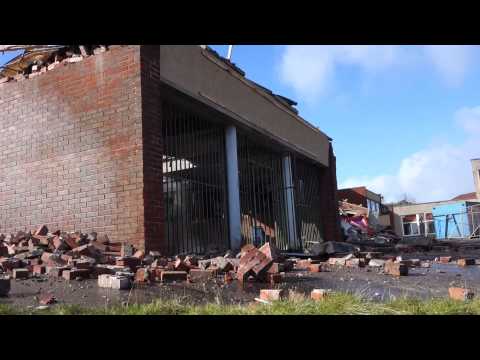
{"x": 334, "y": 305}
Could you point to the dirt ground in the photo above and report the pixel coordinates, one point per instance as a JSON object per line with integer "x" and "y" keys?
{"x": 368, "y": 283}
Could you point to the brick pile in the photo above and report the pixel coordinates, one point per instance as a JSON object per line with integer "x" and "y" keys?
{"x": 61, "y": 254}
{"x": 78, "y": 256}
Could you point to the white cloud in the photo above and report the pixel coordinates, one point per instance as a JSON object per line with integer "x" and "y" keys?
{"x": 310, "y": 69}
{"x": 469, "y": 119}
{"x": 438, "y": 172}
{"x": 451, "y": 61}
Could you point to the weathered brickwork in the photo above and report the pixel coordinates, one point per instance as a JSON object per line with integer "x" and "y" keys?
{"x": 152, "y": 149}
{"x": 81, "y": 150}
{"x": 330, "y": 216}
{"x": 71, "y": 148}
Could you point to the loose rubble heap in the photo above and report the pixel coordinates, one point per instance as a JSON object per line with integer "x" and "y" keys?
{"x": 60, "y": 254}
{"x": 77, "y": 256}
{"x": 39, "y": 59}
{"x": 357, "y": 227}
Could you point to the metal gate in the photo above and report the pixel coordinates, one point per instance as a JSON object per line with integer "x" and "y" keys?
{"x": 262, "y": 196}
{"x": 194, "y": 182}
{"x": 307, "y": 201}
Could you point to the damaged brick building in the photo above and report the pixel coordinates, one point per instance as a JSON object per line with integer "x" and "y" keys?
{"x": 169, "y": 148}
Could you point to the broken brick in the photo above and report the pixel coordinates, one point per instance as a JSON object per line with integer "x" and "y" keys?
{"x": 39, "y": 269}
{"x": 303, "y": 264}
{"x": 142, "y": 275}
{"x": 59, "y": 244}
{"x": 80, "y": 264}
{"x": 46, "y": 257}
{"x": 70, "y": 241}
{"x": 140, "y": 254}
{"x": 35, "y": 261}
{"x": 272, "y": 294}
{"x": 354, "y": 263}
{"x": 460, "y": 294}
{"x": 337, "y": 261}
{"x": 198, "y": 275}
{"x": 262, "y": 265}
{"x": 270, "y": 251}
{"x": 55, "y": 271}
{"x": 47, "y": 299}
{"x": 181, "y": 266}
{"x": 276, "y": 268}
{"x": 20, "y": 273}
{"x": 465, "y": 262}
{"x": 229, "y": 276}
{"x": 395, "y": 269}
{"x": 319, "y": 294}
{"x": 315, "y": 268}
{"x": 42, "y": 240}
{"x": 170, "y": 276}
{"x": 42, "y": 231}
{"x": 72, "y": 274}
{"x": 274, "y": 278}
{"x": 130, "y": 262}
{"x": 246, "y": 249}
{"x": 445, "y": 259}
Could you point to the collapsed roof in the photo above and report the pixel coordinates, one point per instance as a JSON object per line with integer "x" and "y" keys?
{"x": 40, "y": 55}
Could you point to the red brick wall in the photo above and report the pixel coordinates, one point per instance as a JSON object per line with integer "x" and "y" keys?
{"x": 330, "y": 215}
{"x": 71, "y": 148}
{"x": 152, "y": 149}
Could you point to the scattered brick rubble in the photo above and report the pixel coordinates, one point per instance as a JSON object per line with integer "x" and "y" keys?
{"x": 460, "y": 294}
{"x": 78, "y": 256}
{"x": 38, "y": 60}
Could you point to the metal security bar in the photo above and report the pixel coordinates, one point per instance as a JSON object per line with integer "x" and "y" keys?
{"x": 307, "y": 202}
{"x": 194, "y": 182}
{"x": 474, "y": 220}
{"x": 262, "y": 195}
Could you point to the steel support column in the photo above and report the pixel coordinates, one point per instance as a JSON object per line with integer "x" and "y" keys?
{"x": 289, "y": 199}
{"x": 233, "y": 190}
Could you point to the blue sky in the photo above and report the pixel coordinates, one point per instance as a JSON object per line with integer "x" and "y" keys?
{"x": 398, "y": 115}
{"x": 404, "y": 119}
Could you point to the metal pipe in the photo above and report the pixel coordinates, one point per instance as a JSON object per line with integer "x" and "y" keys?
{"x": 229, "y": 54}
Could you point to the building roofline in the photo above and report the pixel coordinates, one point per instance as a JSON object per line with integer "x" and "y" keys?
{"x": 283, "y": 102}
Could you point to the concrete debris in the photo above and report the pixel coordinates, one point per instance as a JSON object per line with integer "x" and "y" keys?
{"x": 114, "y": 282}
{"x": 330, "y": 248}
{"x": 376, "y": 263}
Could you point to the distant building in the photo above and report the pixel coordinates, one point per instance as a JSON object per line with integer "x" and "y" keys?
{"x": 362, "y": 196}
{"x": 416, "y": 221}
